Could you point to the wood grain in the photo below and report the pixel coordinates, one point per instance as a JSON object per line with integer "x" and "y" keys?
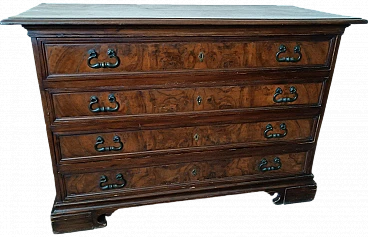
{"x": 69, "y": 105}
{"x": 134, "y": 33}
{"x": 155, "y": 140}
{"x": 171, "y": 56}
{"x": 118, "y": 14}
{"x": 174, "y": 120}
{"x": 183, "y": 79}
{"x": 299, "y": 194}
{"x": 166, "y": 133}
{"x": 198, "y": 154}
{"x": 162, "y": 11}
{"x": 303, "y": 182}
{"x": 70, "y": 223}
{"x": 183, "y": 173}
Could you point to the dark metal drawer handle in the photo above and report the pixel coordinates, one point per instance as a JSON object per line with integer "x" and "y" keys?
{"x": 285, "y": 99}
{"x": 275, "y": 135}
{"x": 94, "y": 100}
{"x": 264, "y": 163}
{"x": 119, "y": 177}
{"x": 282, "y": 49}
{"x": 100, "y": 141}
{"x": 110, "y": 52}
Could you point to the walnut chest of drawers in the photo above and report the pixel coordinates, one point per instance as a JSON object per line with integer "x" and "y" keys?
{"x": 146, "y": 104}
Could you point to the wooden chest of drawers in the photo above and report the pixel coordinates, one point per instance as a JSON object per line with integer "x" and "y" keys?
{"x": 150, "y": 104}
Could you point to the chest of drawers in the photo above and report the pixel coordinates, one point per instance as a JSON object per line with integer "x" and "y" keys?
{"x": 147, "y": 104}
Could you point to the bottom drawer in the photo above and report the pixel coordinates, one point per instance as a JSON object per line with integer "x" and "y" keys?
{"x": 133, "y": 181}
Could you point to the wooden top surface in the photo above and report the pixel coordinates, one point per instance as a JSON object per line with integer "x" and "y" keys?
{"x": 103, "y": 14}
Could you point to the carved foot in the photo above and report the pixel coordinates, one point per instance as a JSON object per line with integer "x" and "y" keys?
{"x": 77, "y": 222}
{"x": 293, "y": 196}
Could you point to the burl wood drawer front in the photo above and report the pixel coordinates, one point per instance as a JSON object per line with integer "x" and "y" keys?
{"x": 86, "y": 58}
{"x": 101, "y": 144}
{"x": 141, "y": 178}
{"x": 157, "y": 101}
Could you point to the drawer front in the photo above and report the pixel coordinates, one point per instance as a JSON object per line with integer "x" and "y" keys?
{"x": 114, "y": 143}
{"x": 139, "y": 178}
{"x": 104, "y": 58}
{"x": 157, "y": 101}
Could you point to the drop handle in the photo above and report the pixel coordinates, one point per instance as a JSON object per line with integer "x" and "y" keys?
{"x": 100, "y": 141}
{"x": 269, "y": 128}
{"x": 285, "y": 99}
{"x": 282, "y": 50}
{"x": 94, "y": 55}
{"x": 104, "y": 179}
{"x": 264, "y": 162}
{"x": 95, "y": 101}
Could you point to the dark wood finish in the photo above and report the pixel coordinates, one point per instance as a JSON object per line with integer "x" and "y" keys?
{"x": 65, "y": 14}
{"x": 68, "y": 105}
{"x": 177, "y": 32}
{"x": 143, "y": 57}
{"x": 98, "y": 212}
{"x": 196, "y": 87}
{"x": 74, "y": 222}
{"x": 175, "y": 156}
{"x": 184, "y": 79}
{"x": 139, "y": 178}
{"x": 159, "y": 121}
{"x": 300, "y": 194}
{"x": 164, "y": 139}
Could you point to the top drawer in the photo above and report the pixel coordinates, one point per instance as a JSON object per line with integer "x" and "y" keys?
{"x": 97, "y": 58}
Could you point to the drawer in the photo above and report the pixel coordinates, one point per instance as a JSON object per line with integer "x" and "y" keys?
{"x": 102, "y": 58}
{"x": 115, "y": 143}
{"x": 153, "y": 177}
{"x": 158, "y": 101}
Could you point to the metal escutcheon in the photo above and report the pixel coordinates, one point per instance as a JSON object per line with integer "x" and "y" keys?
{"x": 194, "y": 172}
{"x": 199, "y": 100}
{"x": 201, "y": 56}
{"x": 196, "y": 137}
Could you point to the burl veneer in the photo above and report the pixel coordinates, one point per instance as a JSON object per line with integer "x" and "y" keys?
{"x": 147, "y": 104}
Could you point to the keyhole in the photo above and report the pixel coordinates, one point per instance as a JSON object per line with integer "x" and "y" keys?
{"x": 199, "y": 100}
{"x": 201, "y": 56}
{"x": 194, "y": 172}
{"x": 196, "y": 137}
